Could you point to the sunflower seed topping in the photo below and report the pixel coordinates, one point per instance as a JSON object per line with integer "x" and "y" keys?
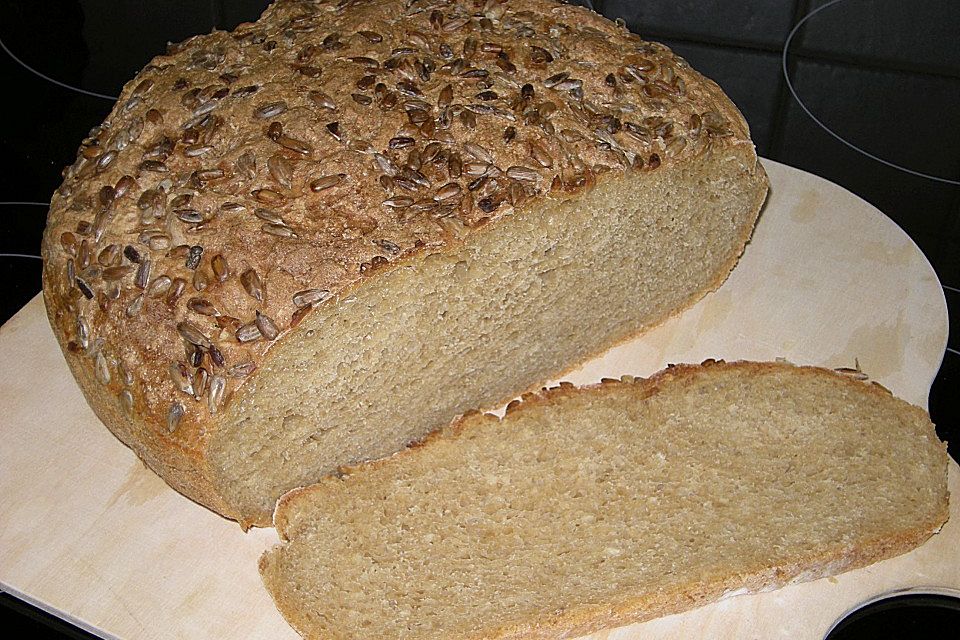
{"x": 270, "y": 110}
{"x": 523, "y": 173}
{"x": 218, "y": 385}
{"x": 192, "y": 334}
{"x": 174, "y": 415}
{"x": 326, "y": 182}
{"x": 202, "y": 306}
{"x": 221, "y": 271}
{"x": 280, "y": 170}
{"x": 252, "y": 284}
{"x": 310, "y": 297}
{"x": 266, "y": 326}
{"x": 248, "y": 332}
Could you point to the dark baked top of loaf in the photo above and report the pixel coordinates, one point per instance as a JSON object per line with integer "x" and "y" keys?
{"x": 244, "y": 177}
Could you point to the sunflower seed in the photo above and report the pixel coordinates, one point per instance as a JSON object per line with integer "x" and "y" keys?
{"x": 206, "y": 175}
{"x": 123, "y": 186}
{"x": 200, "y": 280}
{"x": 268, "y": 215}
{"x": 454, "y": 165}
{"x": 232, "y": 207}
{"x": 105, "y": 160}
{"x": 280, "y": 169}
{"x": 114, "y": 273}
{"x": 334, "y": 129}
{"x": 194, "y": 151}
{"x": 326, "y": 182}
{"x": 266, "y": 326}
{"x": 83, "y": 332}
{"x": 281, "y": 231}
{"x": 555, "y": 79}
{"x": 385, "y": 164}
{"x": 322, "y": 100}
{"x": 247, "y": 165}
{"x": 478, "y": 152}
{"x": 449, "y": 190}
{"x": 174, "y": 415}
{"x": 215, "y": 393}
{"x": 194, "y": 254}
{"x": 133, "y": 309}
{"x": 446, "y": 97}
{"x": 215, "y": 355}
{"x": 190, "y": 216}
{"x": 202, "y": 306}
{"x": 361, "y": 146}
{"x": 526, "y": 174}
{"x": 297, "y": 146}
{"x": 570, "y": 84}
{"x": 200, "y": 378}
{"x": 192, "y": 334}
{"x": 248, "y": 90}
{"x": 195, "y": 356}
{"x": 180, "y": 377}
{"x": 310, "y": 297}
{"x": 275, "y": 130}
{"x": 154, "y": 166}
{"x": 401, "y": 142}
{"x": 241, "y": 370}
{"x": 371, "y": 36}
{"x": 476, "y": 169}
{"x": 398, "y": 202}
{"x": 387, "y": 246}
{"x": 126, "y": 401}
{"x": 106, "y": 257}
{"x": 248, "y": 332}
{"x": 539, "y": 55}
{"x": 299, "y": 315}
{"x": 270, "y": 110}
{"x": 309, "y": 71}
{"x": 268, "y": 196}
{"x": 221, "y": 270}
{"x": 159, "y": 287}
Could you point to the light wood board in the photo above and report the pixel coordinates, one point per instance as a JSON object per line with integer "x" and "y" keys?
{"x": 87, "y": 533}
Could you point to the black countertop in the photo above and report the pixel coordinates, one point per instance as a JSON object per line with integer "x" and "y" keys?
{"x": 881, "y": 76}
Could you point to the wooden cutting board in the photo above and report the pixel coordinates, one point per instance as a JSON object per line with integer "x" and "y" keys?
{"x": 89, "y": 534}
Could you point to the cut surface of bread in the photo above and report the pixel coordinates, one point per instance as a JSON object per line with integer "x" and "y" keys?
{"x": 598, "y": 507}
{"x": 516, "y": 305}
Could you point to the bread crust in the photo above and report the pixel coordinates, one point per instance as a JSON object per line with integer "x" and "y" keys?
{"x": 636, "y": 609}
{"x": 166, "y": 174}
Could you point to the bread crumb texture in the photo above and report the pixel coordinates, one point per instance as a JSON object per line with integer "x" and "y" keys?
{"x": 585, "y": 509}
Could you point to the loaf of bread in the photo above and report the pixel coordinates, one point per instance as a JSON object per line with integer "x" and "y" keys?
{"x": 312, "y": 240}
{"x": 599, "y": 507}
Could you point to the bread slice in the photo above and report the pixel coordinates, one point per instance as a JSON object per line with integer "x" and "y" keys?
{"x": 313, "y": 240}
{"x": 592, "y": 508}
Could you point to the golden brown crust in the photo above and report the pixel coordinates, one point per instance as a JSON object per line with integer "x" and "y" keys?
{"x": 584, "y": 620}
{"x": 221, "y": 169}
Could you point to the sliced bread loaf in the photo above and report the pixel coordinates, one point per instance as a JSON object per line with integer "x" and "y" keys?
{"x": 285, "y": 239}
{"x": 592, "y": 508}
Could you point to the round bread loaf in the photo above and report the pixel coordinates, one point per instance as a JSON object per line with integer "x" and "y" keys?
{"x": 314, "y": 239}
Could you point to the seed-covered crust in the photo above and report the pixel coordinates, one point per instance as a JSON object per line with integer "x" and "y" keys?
{"x": 246, "y": 177}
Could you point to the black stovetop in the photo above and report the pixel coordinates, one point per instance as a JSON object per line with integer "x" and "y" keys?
{"x": 881, "y": 76}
